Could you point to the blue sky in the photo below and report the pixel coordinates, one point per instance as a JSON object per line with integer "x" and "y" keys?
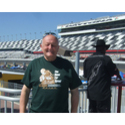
{"x": 30, "y": 19}
{"x": 31, "y": 25}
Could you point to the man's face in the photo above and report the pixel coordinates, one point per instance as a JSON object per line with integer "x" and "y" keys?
{"x": 50, "y": 47}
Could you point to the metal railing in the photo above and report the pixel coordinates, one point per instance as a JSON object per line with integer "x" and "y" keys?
{"x": 14, "y": 99}
{"x": 82, "y": 106}
{"x": 7, "y": 98}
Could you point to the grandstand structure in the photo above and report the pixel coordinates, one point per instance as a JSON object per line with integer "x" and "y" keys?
{"x": 81, "y": 35}
{"x": 15, "y": 56}
{"x": 74, "y": 37}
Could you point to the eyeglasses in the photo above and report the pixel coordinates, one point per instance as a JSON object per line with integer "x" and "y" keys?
{"x": 49, "y": 33}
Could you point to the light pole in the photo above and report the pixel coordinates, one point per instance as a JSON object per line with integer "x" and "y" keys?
{"x": 12, "y": 37}
{"x": 20, "y": 36}
{"x": 25, "y": 35}
{"x": 4, "y": 38}
{"x": 35, "y": 35}
{"x": 16, "y": 36}
{"x": 8, "y": 37}
{"x": 41, "y": 34}
{"x": 30, "y": 36}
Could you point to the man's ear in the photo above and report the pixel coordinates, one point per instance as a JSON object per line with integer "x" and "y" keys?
{"x": 41, "y": 46}
{"x": 58, "y": 47}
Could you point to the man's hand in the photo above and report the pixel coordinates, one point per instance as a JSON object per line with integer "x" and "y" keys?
{"x": 118, "y": 78}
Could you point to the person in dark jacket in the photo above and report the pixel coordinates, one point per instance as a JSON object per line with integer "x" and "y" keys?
{"x": 98, "y": 69}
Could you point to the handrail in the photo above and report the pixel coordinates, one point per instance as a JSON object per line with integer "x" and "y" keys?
{"x": 9, "y": 98}
{"x": 15, "y": 99}
{"x": 14, "y": 91}
{"x": 83, "y": 101}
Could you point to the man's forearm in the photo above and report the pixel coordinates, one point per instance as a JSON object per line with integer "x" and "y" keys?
{"x": 74, "y": 100}
{"x": 23, "y": 103}
{"x": 24, "y": 99}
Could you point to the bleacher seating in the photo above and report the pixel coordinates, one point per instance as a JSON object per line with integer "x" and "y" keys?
{"x": 84, "y": 42}
{"x": 75, "y": 42}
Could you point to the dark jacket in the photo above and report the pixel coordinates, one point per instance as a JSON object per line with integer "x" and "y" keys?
{"x": 98, "y": 70}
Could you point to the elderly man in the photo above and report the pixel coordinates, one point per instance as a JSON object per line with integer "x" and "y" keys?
{"x": 50, "y": 78}
{"x": 98, "y": 69}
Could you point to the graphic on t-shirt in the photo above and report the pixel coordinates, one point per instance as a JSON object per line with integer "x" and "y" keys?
{"x": 95, "y": 71}
{"x": 47, "y": 79}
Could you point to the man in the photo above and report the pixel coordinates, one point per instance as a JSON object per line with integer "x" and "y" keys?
{"x": 98, "y": 69}
{"x": 50, "y": 78}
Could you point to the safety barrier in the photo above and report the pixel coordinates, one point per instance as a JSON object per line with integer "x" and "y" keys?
{"x": 12, "y": 100}
{"x": 82, "y": 106}
{"x": 7, "y": 98}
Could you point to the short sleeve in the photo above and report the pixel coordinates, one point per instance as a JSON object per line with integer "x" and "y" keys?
{"x": 111, "y": 67}
{"x": 27, "y": 76}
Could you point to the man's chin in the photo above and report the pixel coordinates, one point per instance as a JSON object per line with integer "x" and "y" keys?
{"x": 51, "y": 58}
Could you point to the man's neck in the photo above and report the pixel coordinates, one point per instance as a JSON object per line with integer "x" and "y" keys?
{"x": 50, "y": 59}
{"x": 101, "y": 52}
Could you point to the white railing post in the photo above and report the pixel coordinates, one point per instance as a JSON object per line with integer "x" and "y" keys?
{"x": 12, "y": 106}
{"x": 29, "y": 104}
{"x": 87, "y": 106}
{"x": 114, "y": 99}
{"x": 0, "y": 105}
{"x": 69, "y": 102}
{"x": 77, "y": 63}
{"x": 78, "y": 110}
{"x": 82, "y": 102}
{"x": 5, "y": 106}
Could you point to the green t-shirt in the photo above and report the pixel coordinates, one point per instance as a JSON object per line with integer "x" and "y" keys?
{"x": 50, "y": 82}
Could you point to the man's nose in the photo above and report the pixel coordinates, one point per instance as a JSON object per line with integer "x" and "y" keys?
{"x": 50, "y": 46}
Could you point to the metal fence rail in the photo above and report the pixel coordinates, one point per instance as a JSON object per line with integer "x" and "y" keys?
{"x": 11, "y": 99}
{"x": 82, "y": 106}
